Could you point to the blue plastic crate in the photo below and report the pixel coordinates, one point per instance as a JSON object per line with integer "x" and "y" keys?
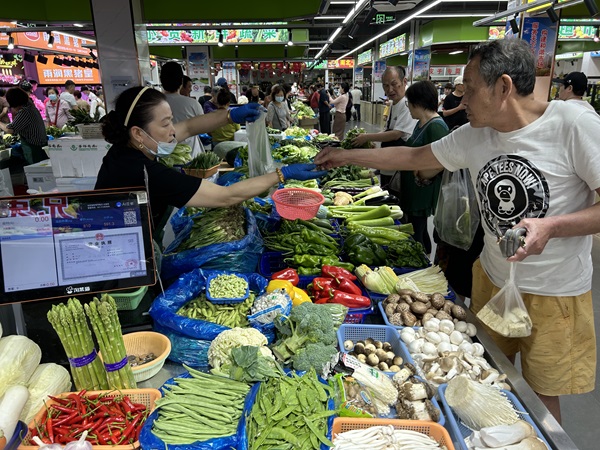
{"x": 220, "y": 301}
{"x": 459, "y": 431}
{"x": 381, "y": 333}
{"x": 450, "y": 297}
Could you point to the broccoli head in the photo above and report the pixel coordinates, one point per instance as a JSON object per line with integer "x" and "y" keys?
{"x": 307, "y": 323}
{"x": 315, "y": 355}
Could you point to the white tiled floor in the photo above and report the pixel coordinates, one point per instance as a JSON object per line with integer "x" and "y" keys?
{"x": 580, "y": 413}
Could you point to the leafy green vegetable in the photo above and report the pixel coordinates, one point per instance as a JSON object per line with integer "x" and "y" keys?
{"x": 303, "y": 111}
{"x": 407, "y": 253}
{"x": 204, "y": 161}
{"x": 297, "y": 132}
{"x": 352, "y": 133}
{"x": 292, "y": 153}
{"x": 316, "y": 356}
{"x": 182, "y": 154}
{"x": 53, "y": 131}
{"x": 80, "y": 116}
{"x": 250, "y": 364}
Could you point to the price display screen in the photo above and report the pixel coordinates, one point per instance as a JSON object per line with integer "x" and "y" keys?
{"x": 57, "y": 245}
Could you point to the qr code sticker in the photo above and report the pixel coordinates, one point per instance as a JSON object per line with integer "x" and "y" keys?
{"x": 130, "y": 218}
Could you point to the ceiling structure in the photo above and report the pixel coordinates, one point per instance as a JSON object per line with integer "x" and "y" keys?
{"x": 335, "y": 27}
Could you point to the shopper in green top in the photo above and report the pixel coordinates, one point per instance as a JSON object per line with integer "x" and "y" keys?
{"x": 418, "y": 197}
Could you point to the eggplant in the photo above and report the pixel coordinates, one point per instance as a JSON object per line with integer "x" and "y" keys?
{"x": 386, "y": 200}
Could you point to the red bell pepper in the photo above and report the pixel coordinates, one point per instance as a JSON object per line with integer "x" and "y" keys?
{"x": 321, "y": 284}
{"x": 288, "y": 274}
{"x": 350, "y": 300}
{"x": 337, "y": 272}
{"x": 347, "y": 286}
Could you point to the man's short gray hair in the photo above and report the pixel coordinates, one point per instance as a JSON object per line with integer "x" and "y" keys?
{"x": 512, "y": 57}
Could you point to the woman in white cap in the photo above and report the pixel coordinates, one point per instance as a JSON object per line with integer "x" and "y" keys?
{"x": 453, "y": 110}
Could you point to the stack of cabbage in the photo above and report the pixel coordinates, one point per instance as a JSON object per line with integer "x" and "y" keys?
{"x": 25, "y": 384}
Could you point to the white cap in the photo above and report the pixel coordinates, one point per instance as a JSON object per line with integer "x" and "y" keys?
{"x": 458, "y": 80}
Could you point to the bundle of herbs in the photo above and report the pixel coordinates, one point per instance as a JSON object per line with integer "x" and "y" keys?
{"x": 215, "y": 226}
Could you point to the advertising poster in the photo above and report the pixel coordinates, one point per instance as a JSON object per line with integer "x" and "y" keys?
{"x": 62, "y": 42}
{"x": 378, "y": 69}
{"x": 358, "y": 76}
{"x": 365, "y": 57}
{"x": 230, "y": 74}
{"x": 199, "y": 69}
{"x": 51, "y": 73}
{"x": 422, "y": 57}
{"x": 11, "y": 68}
{"x": 541, "y": 35}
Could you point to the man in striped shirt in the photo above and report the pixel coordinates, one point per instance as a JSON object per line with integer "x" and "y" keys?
{"x": 28, "y": 124}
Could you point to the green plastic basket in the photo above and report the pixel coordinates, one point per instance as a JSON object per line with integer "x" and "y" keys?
{"x": 128, "y": 301}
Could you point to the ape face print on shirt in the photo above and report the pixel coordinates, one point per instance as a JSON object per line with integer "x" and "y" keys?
{"x": 511, "y": 188}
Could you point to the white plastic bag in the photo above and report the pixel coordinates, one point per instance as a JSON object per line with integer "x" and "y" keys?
{"x": 457, "y": 213}
{"x": 260, "y": 160}
{"x": 506, "y": 312}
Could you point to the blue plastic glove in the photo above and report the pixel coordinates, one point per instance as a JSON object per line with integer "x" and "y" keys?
{"x": 246, "y": 113}
{"x": 301, "y": 172}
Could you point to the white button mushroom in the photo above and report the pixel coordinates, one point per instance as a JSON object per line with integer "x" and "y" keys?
{"x": 471, "y": 330}
{"x": 446, "y": 326}
{"x": 432, "y": 325}
{"x": 416, "y": 346}
{"x": 456, "y": 337}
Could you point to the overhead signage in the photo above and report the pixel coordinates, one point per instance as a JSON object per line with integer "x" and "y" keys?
{"x": 567, "y": 56}
{"x": 333, "y": 64}
{"x": 576, "y": 32}
{"x": 421, "y": 60}
{"x": 4, "y": 36}
{"x": 445, "y": 71}
{"x": 383, "y": 18}
{"x": 51, "y": 73}
{"x": 496, "y": 32}
{"x": 11, "y": 68}
{"x": 393, "y": 46}
{"x": 365, "y": 57}
{"x": 184, "y": 37}
{"x": 63, "y": 43}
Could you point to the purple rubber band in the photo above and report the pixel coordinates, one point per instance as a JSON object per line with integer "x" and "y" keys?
{"x": 83, "y": 360}
{"x": 116, "y": 366}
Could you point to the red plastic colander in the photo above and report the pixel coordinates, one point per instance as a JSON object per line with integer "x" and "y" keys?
{"x": 297, "y": 203}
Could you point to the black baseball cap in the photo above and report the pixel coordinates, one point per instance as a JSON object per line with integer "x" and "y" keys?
{"x": 576, "y": 79}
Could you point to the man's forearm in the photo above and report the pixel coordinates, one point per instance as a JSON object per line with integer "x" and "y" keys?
{"x": 204, "y": 123}
{"x": 394, "y": 158}
{"x": 580, "y": 223}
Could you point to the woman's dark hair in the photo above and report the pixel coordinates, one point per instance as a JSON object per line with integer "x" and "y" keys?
{"x": 345, "y": 86}
{"x": 113, "y": 124}
{"x": 223, "y": 97}
{"x": 17, "y": 97}
{"x": 276, "y": 89}
{"x": 287, "y": 88}
{"x": 77, "y": 95}
{"x": 423, "y": 94}
{"x": 2, "y": 92}
{"x": 51, "y": 89}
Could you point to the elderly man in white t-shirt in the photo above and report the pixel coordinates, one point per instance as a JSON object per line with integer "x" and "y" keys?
{"x": 535, "y": 165}
{"x": 399, "y": 125}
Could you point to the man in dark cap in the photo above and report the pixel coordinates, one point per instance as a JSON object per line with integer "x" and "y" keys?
{"x": 572, "y": 87}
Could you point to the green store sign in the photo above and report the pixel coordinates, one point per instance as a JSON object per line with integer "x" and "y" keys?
{"x": 576, "y": 32}
{"x": 212, "y": 36}
{"x": 365, "y": 57}
{"x": 393, "y": 46}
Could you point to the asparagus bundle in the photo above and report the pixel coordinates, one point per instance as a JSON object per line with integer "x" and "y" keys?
{"x": 71, "y": 326}
{"x": 107, "y": 328}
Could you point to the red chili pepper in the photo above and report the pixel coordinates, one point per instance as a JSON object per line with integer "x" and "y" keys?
{"x": 64, "y": 409}
{"x": 337, "y": 272}
{"x": 131, "y": 427}
{"x": 322, "y": 300}
{"x": 347, "y": 286}
{"x": 288, "y": 274}
{"x": 139, "y": 407}
{"x": 350, "y": 300}
{"x": 50, "y": 430}
{"x": 61, "y": 401}
{"x": 77, "y": 399}
{"x": 71, "y": 418}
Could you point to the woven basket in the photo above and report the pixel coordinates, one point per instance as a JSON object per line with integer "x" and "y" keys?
{"x": 202, "y": 173}
{"x": 90, "y": 131}
{"x": 146, "y": 397}
{"x": 143, "y": 342}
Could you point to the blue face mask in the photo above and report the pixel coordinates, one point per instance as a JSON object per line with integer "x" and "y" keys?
{"x": 52, "y": 97}
{"x": 163, "y": 148}
{"x": 279, "y": 99}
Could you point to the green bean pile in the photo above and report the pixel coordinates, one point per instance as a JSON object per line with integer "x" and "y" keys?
{"x": 215, "y": 226}
{"x": 199, "y": 408}
{"x": 290, "y": 412}
{"x": 234, "y": 315}
{"x": 227, "y": 286}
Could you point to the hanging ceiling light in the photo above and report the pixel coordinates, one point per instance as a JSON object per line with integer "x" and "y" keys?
{"x": 220, "y": 44}
{"x": 290, "y": 42}
{"x": 353, "y": 30}
{"x": 11, "y": 41}
{"x": 51, "y": 41}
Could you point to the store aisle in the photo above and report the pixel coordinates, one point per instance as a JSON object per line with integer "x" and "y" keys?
{"x": 580, "y": 413}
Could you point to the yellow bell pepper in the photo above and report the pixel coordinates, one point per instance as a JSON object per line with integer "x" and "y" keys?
{"x": 281, "y": 284}
{"x": 300, "y": 296}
